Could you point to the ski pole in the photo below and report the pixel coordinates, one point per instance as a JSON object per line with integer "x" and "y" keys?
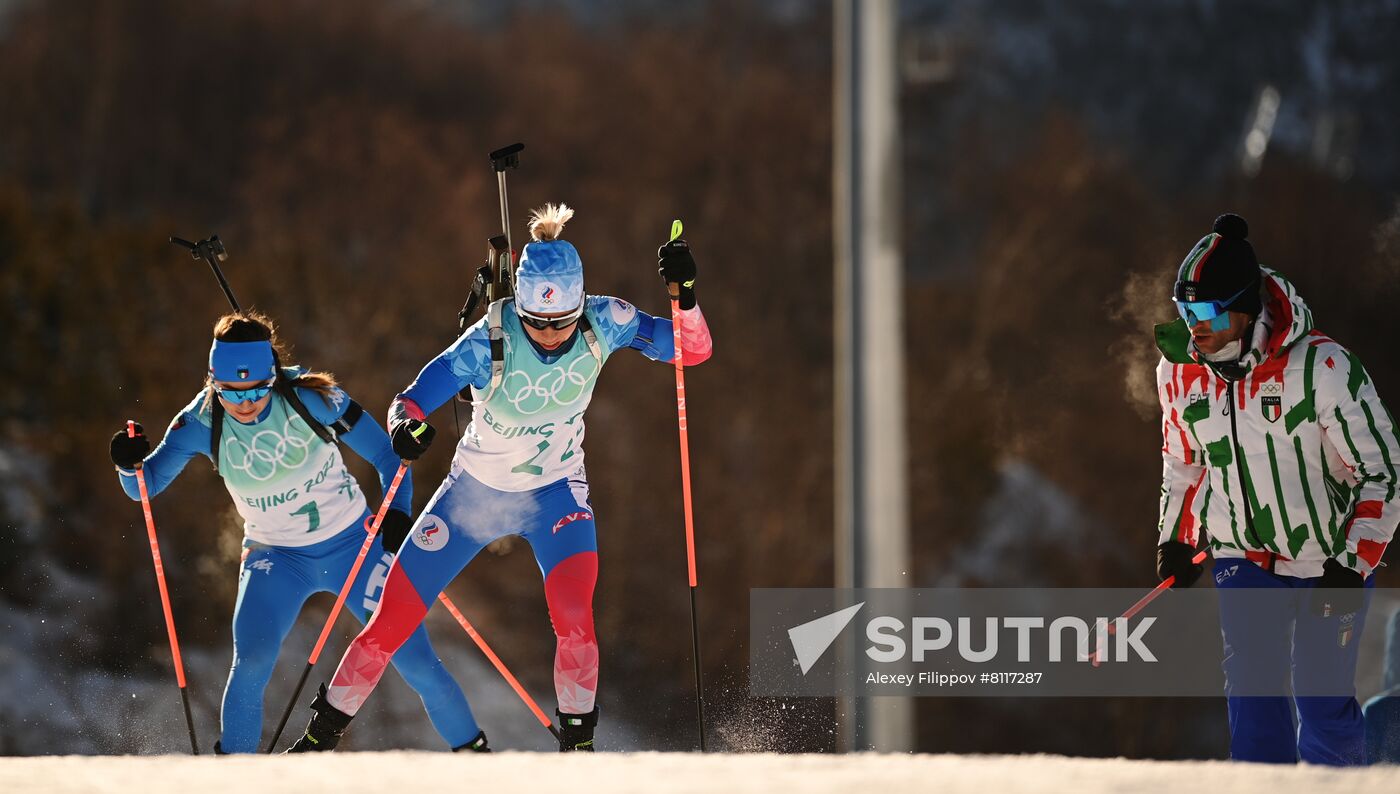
{"x": 498, "y": 664}
{"x": 164, "y": 593}
{"x": 1142, "y": 603}
{"x": 1159, "y": 589}
{"x": 674, "y": 290}
{"x": 371, "y": 530}
{"x": 212, "y": 251}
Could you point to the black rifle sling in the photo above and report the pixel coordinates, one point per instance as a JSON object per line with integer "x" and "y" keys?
{"x": 284, "y": 387}
{"x": 216, "y": 429}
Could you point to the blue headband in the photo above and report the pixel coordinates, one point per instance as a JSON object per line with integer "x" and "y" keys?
{"x": 231, "y": 362}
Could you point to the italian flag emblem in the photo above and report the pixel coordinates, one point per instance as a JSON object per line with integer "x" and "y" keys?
{"x": 1271, "y": 401}
{"x": 1272, "y": 407}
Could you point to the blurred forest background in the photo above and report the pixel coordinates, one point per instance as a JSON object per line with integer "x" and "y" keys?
{"x": 1060, "y": 159}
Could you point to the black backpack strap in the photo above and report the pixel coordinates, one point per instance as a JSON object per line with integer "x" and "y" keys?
{"x": 289, "y": 392}
{"x": 216, "y": 430}
{"x": 285, "y": 385}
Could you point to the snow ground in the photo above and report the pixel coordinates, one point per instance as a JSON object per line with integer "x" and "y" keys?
{"x": 621, "y": 773}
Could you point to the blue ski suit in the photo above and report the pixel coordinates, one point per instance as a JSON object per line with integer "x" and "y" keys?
{"x": 304, "y": 523}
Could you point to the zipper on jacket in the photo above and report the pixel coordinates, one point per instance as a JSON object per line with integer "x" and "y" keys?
{"x": 1239, "y": 472}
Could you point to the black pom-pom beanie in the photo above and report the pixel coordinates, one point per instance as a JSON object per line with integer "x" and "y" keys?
{"x": 1222, "y": 266}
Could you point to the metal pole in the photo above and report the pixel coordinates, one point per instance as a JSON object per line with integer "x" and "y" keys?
{"x": 505, "y": 204}
{"x": 872, "y": 536}
{"x": 501, "y": 159}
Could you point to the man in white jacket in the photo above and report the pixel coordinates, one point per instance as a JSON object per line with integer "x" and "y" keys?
{"x": 1277, "y": 449}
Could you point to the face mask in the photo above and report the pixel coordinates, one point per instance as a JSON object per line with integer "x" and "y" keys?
{"x": 1230, "y": 352}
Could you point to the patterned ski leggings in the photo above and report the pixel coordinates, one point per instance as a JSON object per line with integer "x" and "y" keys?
{"x": 461, "y": 519}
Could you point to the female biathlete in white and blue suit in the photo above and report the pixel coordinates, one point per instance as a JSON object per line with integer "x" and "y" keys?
{"x": 275, "y": 430}
{"x": 531, "y": 363}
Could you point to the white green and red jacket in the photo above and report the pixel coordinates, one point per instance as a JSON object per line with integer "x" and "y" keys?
{"x": 1320, "y": 450}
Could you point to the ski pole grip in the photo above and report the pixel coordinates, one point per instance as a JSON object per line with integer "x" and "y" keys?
{"x": 674, "y": 287}
{"x": 131, "y": 433}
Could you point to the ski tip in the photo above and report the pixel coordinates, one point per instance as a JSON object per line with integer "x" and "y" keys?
{"x": 131, "y": 428}
{"x": 676, "y": 228}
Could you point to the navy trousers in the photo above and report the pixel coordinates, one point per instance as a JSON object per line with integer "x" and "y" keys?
{"x": 1275, "y": 644}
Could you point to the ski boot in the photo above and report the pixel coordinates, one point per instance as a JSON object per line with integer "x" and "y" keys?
{"x": 477, "y": 745}
{"x": 324, "y": 730}
{"x": 576, "y": 731}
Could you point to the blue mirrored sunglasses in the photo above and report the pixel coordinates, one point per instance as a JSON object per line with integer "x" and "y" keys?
{"x": 240, "y": 395}
{"x": 1205, "y": 311}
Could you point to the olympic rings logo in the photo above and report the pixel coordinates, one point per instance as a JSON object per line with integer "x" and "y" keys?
{"x": 559, "y": 386}
{"x": 268, "y": 451}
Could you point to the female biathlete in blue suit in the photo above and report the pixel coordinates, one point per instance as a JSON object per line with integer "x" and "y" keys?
{"x": 531, "y": 363}
{"x": 271, "y": 433}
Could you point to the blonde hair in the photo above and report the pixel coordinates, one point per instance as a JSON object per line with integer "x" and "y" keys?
{"x": 547, "y": 222}
{"x": 251, "y": 325}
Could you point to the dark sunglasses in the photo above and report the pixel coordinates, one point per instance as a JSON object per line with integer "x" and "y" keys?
{"x": 240, "y": 395}
{"x": 557, "y": 323}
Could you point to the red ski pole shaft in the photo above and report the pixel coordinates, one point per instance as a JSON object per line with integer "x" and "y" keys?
{"x": 1156, "y": 591}
{"x": 497, "y": 663}
{"x": 371, "y": 530}
{"x": 685, "y": 444}
{"x": 1142, "y": 603}
{"x": 164, "y": 591}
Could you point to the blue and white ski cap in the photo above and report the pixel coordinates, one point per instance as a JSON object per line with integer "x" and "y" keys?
{"x": 550, "y": 277}
{"x": 231, "y": 362}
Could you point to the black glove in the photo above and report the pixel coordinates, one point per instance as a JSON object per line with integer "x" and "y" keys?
{"x": 127, "y": 451}
{"x": 1174, "y": 559}
{"x": 1338, "y": 591}
{"x": 677, "y": 266}
{"x": 394, "y": 529}
{"x": 412, "y": 438}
